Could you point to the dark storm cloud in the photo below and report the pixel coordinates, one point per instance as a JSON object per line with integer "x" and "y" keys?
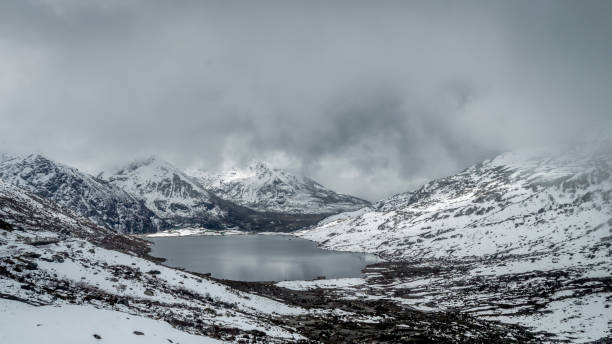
{"x": 370, "y": 98}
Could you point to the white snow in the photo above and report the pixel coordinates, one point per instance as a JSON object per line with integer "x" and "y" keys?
{"x": 323, "y": 283}
{"x": 577, "y": 320}
{"x": 75, "y": 324}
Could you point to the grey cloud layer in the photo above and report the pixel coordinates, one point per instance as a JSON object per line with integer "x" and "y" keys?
{"x": 370, "y": 98}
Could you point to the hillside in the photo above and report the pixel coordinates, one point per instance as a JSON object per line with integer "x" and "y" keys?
{"x": 524, "y": 237}
{"x": 50, "y": 257}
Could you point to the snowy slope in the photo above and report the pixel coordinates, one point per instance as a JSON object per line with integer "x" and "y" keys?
{"x": 264, "y": 188}
{"x": 513, "y": 204}
{"x": 93, "y": 198}
{"x": 171, "y": 194}
{"x": 52, "y": 257}
{"x": 523, "y": 238}
{"x": 71, "y": 324}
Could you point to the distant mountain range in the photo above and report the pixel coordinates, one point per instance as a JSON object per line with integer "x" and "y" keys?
{"x": 151, "y": 195}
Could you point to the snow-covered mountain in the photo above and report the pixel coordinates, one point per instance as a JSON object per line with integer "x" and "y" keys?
{"x": 268, "y": 189}
{"x": 91, "y": 197}
{"x": 144, "y": 196}
{"x": 172, "y": 195}
{"x": 182, "y": 201}
{"x": 524, "y": 238}
{"x": 516, "y": 203}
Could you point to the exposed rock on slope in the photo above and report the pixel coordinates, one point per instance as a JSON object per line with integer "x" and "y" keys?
{"x": 267, "y": 189}
{"x": 91, "y": 197}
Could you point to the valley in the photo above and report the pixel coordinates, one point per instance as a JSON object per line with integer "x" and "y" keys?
{"x": 513, "y": 249}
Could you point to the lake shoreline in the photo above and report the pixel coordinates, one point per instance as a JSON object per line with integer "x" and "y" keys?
{"x": 258, "y": 257}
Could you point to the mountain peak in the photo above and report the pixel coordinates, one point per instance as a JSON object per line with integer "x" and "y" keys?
{"x": 262, "y": 187}
{"x": 172, "y": 195}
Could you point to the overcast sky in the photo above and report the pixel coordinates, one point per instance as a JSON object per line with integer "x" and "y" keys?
{"x": 369, "y": 98}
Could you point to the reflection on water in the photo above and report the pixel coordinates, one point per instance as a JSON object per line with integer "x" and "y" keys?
{"x": 258, "y": 257}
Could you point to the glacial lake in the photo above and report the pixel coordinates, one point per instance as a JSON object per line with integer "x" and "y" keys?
{"x": 258, "y": 257}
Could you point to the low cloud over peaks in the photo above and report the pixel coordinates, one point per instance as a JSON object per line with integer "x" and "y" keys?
{"x": 369, "y": 99}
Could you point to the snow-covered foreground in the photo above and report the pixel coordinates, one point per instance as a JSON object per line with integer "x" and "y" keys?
{"x": 73, "y": 324}
{"x": 522, "y": 238}
{"x": 51, "y": 257}
{"x": 76, "y": 271}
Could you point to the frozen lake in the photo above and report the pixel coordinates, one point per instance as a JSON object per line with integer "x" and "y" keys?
{"x": 258, "y": 257}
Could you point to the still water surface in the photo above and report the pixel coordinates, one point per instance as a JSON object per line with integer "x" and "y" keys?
{"x": 258, "y": 257}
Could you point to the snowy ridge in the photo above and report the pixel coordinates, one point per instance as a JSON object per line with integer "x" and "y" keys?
{"x": 268, "y": 189}
{"x": 537, "y": 223}
{"x": 75, "y": 324}
{"x": 93, "y": 198}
